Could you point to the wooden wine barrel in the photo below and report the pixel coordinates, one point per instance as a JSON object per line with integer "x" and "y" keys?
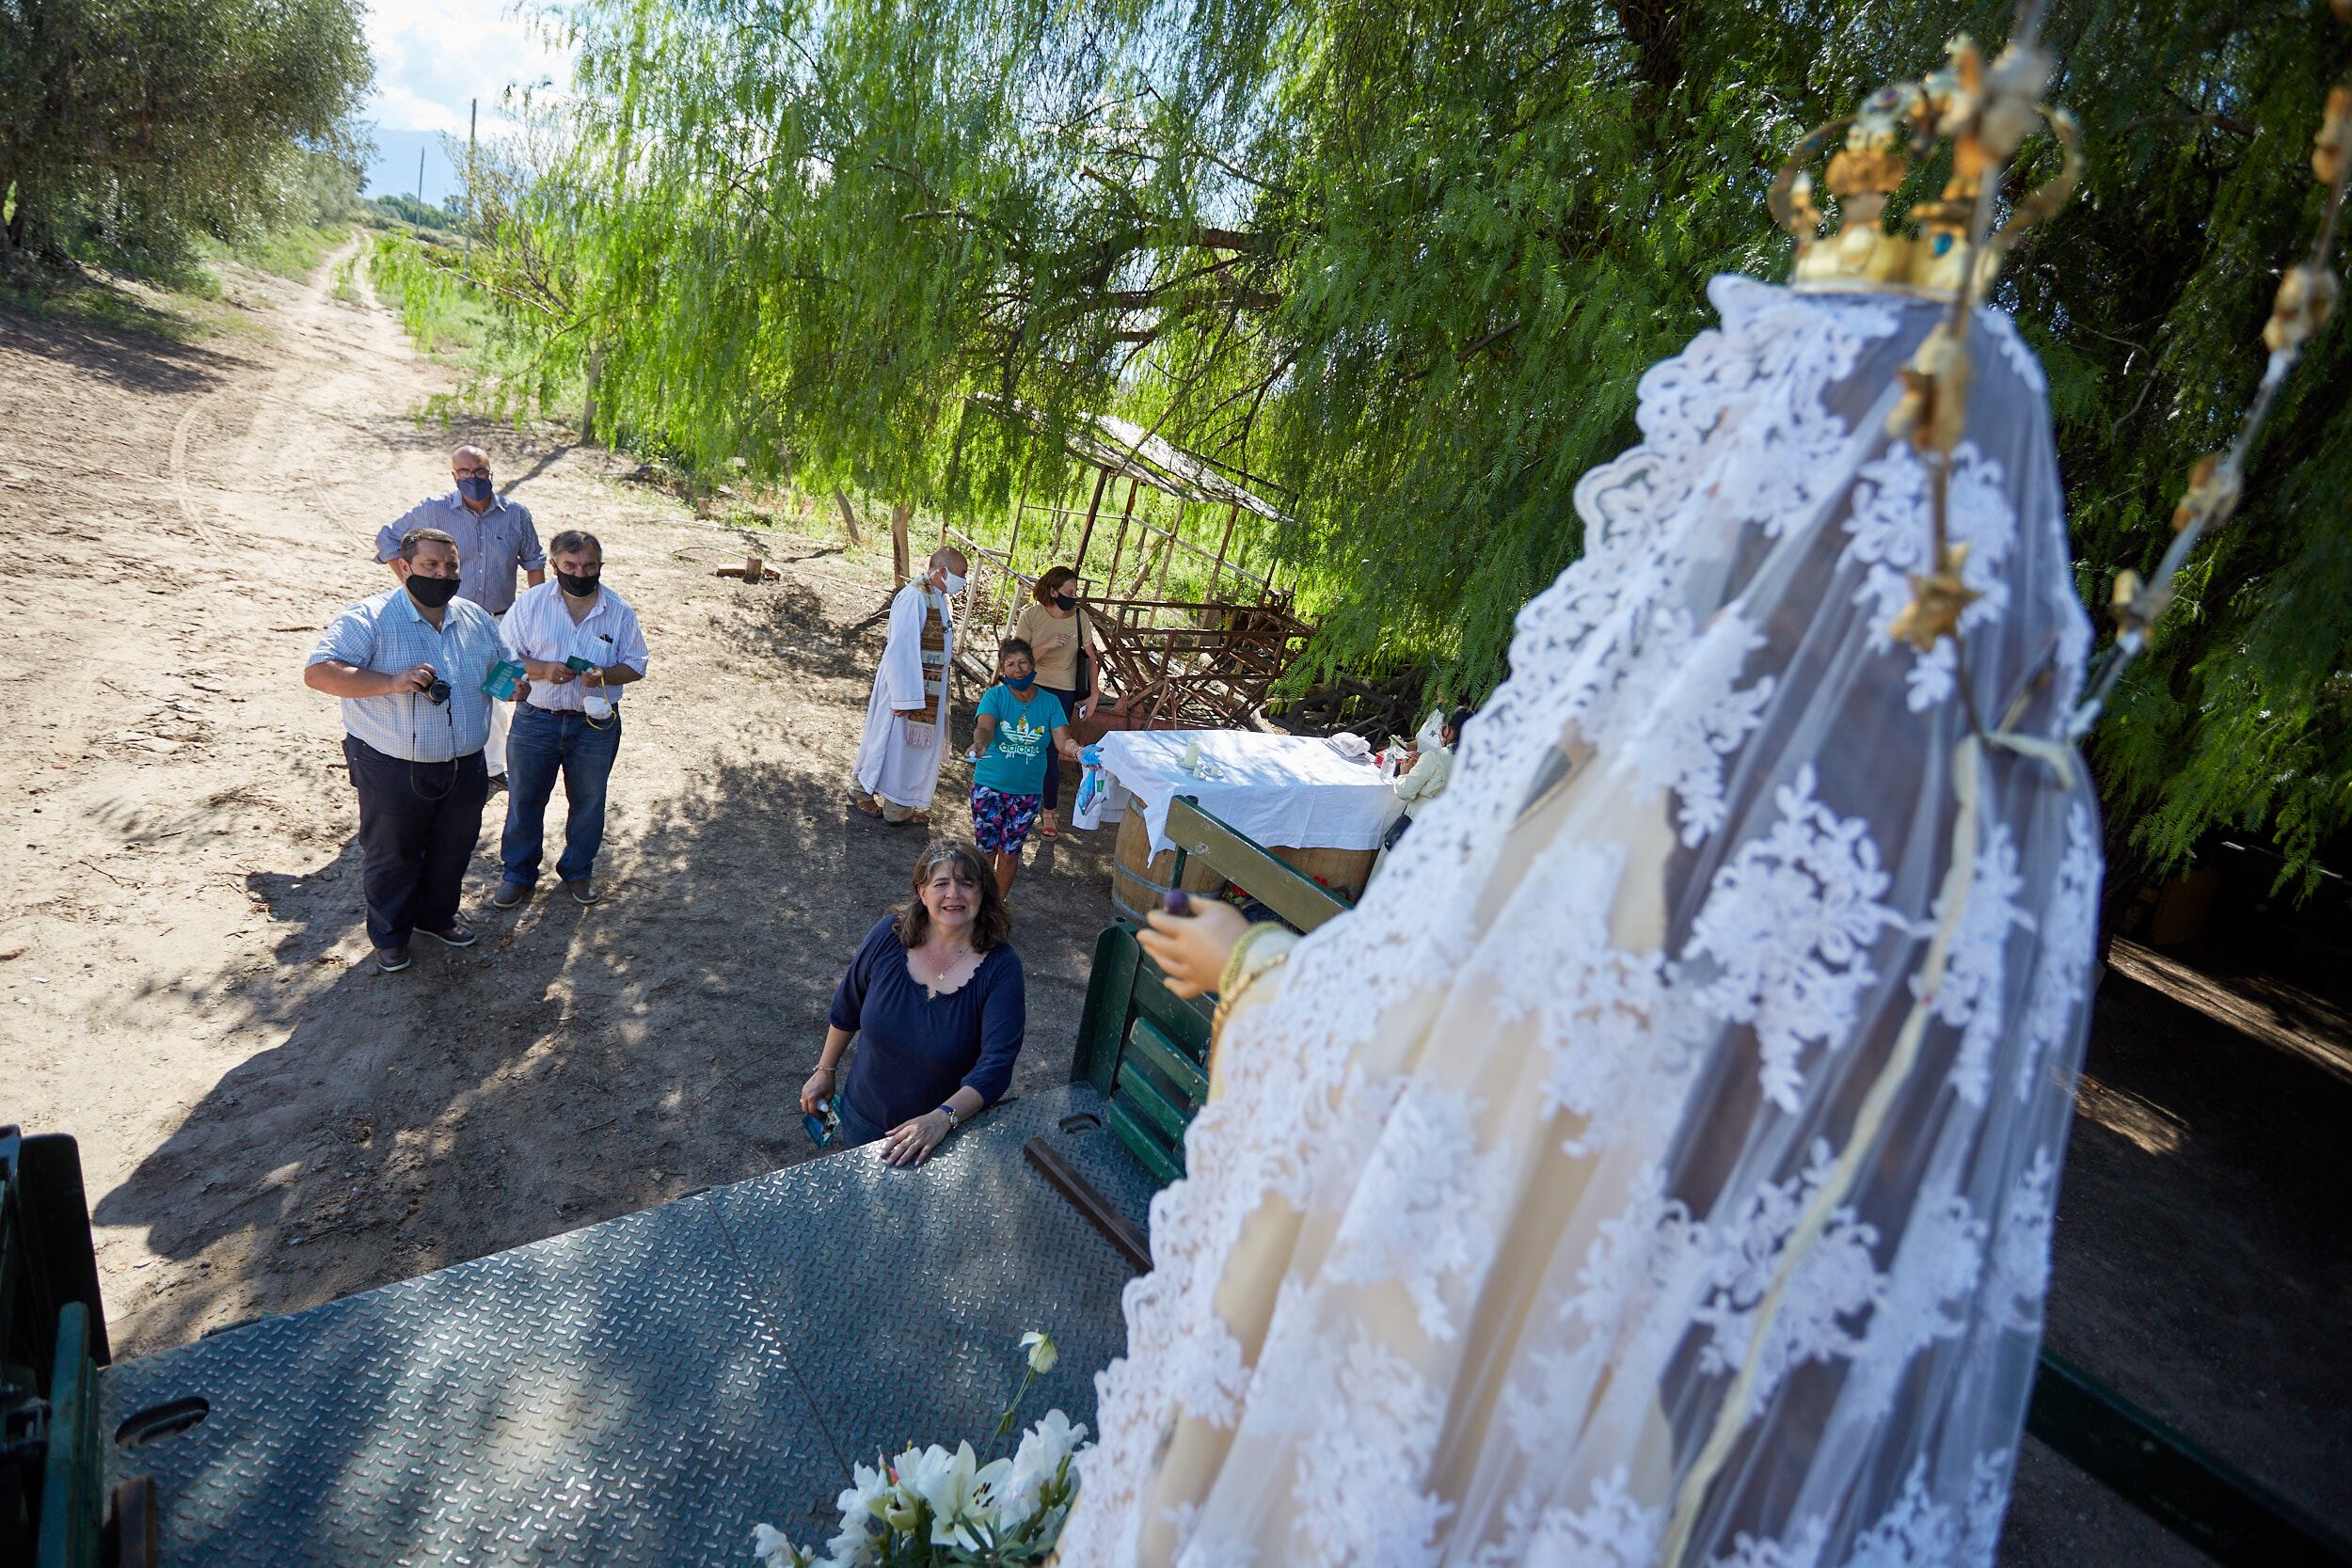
{"x": 1139, "y": 879}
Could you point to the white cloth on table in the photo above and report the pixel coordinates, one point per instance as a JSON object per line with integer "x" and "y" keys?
{"x": 907, "y": 682}
{"x": 1289, "y": 790}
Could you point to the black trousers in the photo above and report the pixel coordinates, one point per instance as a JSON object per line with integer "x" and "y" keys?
{"x": 418, "y": 825}
{"x": 1069, "y": 701}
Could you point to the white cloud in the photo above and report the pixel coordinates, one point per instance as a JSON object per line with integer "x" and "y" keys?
{"x": 433, "y": 58}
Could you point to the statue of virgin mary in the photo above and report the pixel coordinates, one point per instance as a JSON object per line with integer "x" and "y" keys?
{"x": 1657, "y": 1167}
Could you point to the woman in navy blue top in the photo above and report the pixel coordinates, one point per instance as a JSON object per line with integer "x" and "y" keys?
{"x": 935, "y": 989}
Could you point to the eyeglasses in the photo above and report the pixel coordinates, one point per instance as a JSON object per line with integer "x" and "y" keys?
{"x": 482, "y": 473}
{"x": 823, "y": 1128}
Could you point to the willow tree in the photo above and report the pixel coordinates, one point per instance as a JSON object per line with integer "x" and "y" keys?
{"x": 1411, "y": 259}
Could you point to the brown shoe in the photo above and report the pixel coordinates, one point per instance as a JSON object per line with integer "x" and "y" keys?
{"x": 392, "y": 960}
{"x": 868, "y": 807}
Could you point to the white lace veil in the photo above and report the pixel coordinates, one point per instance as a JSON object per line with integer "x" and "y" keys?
{"x": 1658, "y": 1167}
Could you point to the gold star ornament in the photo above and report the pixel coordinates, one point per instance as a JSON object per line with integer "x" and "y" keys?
{"x": 1937, "y": 600}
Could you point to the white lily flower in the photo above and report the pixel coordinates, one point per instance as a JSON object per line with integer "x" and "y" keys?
{"x": 774, "y": 1551}
{"x": 920, "y": 1472}
{"x": 953, "y": 1491}
{"x": 861, "y": 1505}
{"x": 1042, "y": 1351}
{"x": 1036, "y": 1462}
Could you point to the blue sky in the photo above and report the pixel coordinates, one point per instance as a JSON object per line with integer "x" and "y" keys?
{"x": 431, "y": 57}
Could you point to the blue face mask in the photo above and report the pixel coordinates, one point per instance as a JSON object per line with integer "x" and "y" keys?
{"x": 475, "y": 489}
{"x": 1021, "y": 683}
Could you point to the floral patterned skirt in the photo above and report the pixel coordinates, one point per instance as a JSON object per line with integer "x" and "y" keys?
{"x": 1001, "y": 822}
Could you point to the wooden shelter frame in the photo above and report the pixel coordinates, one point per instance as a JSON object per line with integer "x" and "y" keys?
{"x": 1171, "y": 662}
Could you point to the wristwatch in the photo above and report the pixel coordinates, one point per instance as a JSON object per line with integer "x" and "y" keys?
{"x": 954, "y": 1120}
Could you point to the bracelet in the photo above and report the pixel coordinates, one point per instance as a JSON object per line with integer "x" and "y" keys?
{"x": 834, "y": 1070}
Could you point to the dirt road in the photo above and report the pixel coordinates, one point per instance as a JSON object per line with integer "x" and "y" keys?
{"x": 266, "y": 1121}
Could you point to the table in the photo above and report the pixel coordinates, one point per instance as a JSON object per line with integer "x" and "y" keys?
{"x": 1285, "y": 789}
{"x": 1303, "y": 802}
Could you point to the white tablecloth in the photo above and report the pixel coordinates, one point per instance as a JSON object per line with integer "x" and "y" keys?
{"x": 1289, "y": 790}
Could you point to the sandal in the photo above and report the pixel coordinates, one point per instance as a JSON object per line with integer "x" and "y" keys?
{"x": 867, "y": 806}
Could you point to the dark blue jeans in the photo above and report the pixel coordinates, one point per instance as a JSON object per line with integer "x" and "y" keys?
{"x": 418, "y": 824}
{"x": 539, "y": 745}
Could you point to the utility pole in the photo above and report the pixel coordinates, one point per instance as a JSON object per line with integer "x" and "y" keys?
{"x": 420, "y": 176}
{"x": 473, "y": 117}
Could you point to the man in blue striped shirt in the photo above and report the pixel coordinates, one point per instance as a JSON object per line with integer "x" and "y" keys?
{"x": 409, "y": 665}
{"x": 496, "y": 538}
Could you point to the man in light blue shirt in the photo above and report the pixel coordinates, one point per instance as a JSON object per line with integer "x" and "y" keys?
{"x": 409, "y": 665}
{"x": 496, "y": 538}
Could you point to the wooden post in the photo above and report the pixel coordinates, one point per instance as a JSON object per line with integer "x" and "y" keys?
{"x": 1167, "y": 551}
{"x": 1110, "y": 579}
{"x": 901, "y": 558}
{"x": 1102, "y": 477}
{"x": 1217, "y": 573}
{"x": 849, "y": 515}
{"x": 588, "y": 401}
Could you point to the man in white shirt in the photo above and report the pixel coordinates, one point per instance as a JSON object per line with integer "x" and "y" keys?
{"x": 410, "y": 666}
{"x": 579, "y": 644}
{"x": 496, "y": 538}
{"x": 897, "y": 761}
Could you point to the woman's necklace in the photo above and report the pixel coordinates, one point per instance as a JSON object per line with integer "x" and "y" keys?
{"x": 939, "y": 977}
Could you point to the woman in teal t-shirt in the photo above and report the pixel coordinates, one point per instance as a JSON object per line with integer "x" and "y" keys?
{"x": 1020, "y": 731}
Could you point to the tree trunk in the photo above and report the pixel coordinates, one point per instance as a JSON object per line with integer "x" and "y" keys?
{"x": 901, "y": 558}
{"x": 849, "y": 515}
{"x": 588, "y": 401}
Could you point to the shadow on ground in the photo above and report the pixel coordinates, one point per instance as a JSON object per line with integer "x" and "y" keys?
{"x": 577, "y": 1063}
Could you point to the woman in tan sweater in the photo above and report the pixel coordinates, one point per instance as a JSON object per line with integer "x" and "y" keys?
{"x": 1056, "y": 628}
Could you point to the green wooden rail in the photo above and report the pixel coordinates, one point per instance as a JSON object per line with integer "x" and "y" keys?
{"x": 1147, "y": 1053}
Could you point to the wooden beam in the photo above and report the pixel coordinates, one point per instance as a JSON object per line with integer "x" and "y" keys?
{"x": 1085, "y": 536}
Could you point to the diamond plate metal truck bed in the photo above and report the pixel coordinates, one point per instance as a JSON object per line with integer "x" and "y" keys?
{"x": 645, "y": 1390}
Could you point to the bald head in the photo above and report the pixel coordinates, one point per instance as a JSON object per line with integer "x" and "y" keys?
{"x": 947, "y": 569}
{"x": 471, "y": 467}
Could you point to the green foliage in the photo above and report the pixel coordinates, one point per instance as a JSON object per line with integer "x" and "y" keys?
{"x": 446, "y": 313}
{"x": 397, "y": 209}
{"x": 1409, "y": 261}
{"x": 128, "y": 128}
{"x": 295, "y": 253}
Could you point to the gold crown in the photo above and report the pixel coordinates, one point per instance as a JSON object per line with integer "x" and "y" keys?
{"x": 1983, "y": 112}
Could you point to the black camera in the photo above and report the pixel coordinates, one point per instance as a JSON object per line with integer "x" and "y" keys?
{"x": 437, "y": 692}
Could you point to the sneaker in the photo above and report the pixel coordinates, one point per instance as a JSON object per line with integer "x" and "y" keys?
{"x": 509, "y": 895}
{"x": 392, "y": 960}
{"x": 583, "y": 890}
{"x": 457, "y": 936}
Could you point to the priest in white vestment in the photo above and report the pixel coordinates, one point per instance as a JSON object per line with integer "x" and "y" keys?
{"x": 897, "y": 763}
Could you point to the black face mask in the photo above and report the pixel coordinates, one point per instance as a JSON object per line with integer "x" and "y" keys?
{"x": 1066, "y": 601}
{"x": 432, "y": 593}
{"x": 577, "y": 586}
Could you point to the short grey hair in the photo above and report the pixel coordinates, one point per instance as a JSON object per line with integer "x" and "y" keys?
{"x": 415, "y": 536}
{"x": 573, "y": 539}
